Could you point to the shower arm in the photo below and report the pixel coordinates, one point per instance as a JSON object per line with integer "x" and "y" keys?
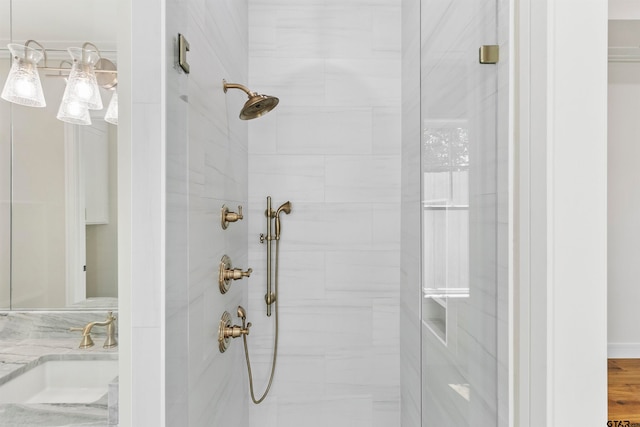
{"x": 236, "y": 86}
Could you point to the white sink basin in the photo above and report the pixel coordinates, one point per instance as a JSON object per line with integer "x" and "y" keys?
{"x": 61, "y": 381}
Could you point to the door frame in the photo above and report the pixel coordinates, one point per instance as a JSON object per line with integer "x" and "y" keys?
{"x": 559, "y": 298}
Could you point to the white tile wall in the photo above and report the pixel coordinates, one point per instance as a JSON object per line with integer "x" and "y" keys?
{"x": 207, "y": 164}
{"x": 332, "y": 147}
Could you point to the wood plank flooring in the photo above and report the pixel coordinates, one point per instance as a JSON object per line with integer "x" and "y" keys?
{"x": 624, "y": 389}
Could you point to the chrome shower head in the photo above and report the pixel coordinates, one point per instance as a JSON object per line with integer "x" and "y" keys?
{"x": 257, "y": 105}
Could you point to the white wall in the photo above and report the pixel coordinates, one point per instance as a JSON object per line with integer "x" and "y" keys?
{"x": 561, "y": 196}
{"x": 102, "y": 239}
{"x": 332, "y": 147}
{"x": 38, "y": 203}
{"x": 623, "y": 197}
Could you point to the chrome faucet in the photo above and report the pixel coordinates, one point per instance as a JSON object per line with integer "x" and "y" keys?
{"x": 111, "y": 332}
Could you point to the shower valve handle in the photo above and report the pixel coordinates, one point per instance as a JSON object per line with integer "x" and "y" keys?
{"x": 226, "y": 216}
{"x": 236, "y": 331}
{"x": 227, "y": 273}
{"x": 237, "y": 273}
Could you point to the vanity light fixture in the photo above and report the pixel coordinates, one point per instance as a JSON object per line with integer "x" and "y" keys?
{"x": 23, "y": 84}
{"x": 82, "y": 85}
{"x": 89, "y": 71}
{"x": 112, "y": 110}
{"x": 74, "y": 112}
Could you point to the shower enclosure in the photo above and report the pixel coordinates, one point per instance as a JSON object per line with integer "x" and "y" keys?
{"x": 458, "y": 178}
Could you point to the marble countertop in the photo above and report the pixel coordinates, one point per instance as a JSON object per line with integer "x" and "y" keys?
{"x": 21, "y": 351}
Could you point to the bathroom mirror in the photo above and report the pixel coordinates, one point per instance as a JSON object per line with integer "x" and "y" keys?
{"x": 58, "y": 188}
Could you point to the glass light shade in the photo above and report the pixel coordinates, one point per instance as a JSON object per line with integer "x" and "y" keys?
{"x": 112, "y": 110}
{"x": 74, "y": 112}
{"x": 82, "y": 85}
{"x": 23, "y": 82}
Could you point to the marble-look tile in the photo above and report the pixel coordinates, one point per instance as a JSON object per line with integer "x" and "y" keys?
{"x": 386, "y": 131}
{"x": 388, "y": 414}
{"x": 362, "y": 82}
{"x": 299, "y": 178}
{"x": 351, "y": 411}
{"x": 387, "y": 236}
{"x": 312, "y": 56}
{"x": 372, "y": 273}
{"x": 386, "y": 34}
{"x": 217, "y": 172}
{"x": 353, "y": 230}
{"x": 20, "y": 325}
{"x": 296, "y": 81}
{"x": 362, "y": 179}
{"x": 299, "y": 411}
{"x": 263, "y": 134}
{"x": 51, "y": 415}
{"x": 113, "y": 407}
{"x": 324, "y": 130}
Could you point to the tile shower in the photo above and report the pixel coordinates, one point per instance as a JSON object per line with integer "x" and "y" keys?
{"x": 333, "y": 148}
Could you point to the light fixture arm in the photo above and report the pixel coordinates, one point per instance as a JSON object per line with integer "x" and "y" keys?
{"x": 44, "y": 51}
{"x": 84, "y": 47}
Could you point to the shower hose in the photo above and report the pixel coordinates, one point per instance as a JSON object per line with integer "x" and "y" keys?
{"x": 275, "y": 340}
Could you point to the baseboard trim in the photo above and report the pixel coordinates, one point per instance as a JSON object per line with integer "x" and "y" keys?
{"x": 623, "y": 351}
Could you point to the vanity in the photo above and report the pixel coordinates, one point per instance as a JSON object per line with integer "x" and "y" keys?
{"x": 47, "y": 380}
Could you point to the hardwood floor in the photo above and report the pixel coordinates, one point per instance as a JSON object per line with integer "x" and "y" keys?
{"x": 624, "y": 390}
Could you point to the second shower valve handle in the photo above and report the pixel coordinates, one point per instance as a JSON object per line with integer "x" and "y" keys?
{"x": 237, "y": 273}
{"x": 228, "y": 273}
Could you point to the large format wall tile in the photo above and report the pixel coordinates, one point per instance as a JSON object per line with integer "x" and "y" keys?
{"x": 332, "y": 147}
{"x": 207, "y": 166}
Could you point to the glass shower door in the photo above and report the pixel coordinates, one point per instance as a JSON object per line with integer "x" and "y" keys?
{"x": 462, "y": 309}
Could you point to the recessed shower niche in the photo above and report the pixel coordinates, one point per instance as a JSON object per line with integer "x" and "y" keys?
{"x": 445, "y": 209}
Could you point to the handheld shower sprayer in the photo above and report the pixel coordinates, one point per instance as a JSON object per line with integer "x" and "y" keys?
{"x": 286, "y": 208}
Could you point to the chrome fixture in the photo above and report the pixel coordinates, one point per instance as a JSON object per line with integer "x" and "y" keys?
{"x": 228, "y": 273}
{"x": 226, "y": 216}
{"x": 111, "y": 332}
{"x": 226, "y": 331}
{"x": 88, "y": 72}
{"x": 257, "y": 105}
